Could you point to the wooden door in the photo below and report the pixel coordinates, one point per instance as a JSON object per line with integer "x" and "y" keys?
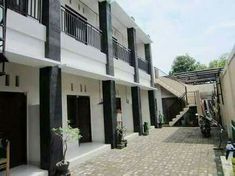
{"x": 84, "y": 118}
{"x": 13, "y": 125}
{"x": 79, "y": 115}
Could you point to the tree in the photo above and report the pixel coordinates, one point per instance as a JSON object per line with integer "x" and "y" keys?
{"x": 199, "y": 66}
{"x": 186, "y": 63}
{"x": 220, "y": 62}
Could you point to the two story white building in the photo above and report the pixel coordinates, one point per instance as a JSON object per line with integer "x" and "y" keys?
{"x": 76, "y": 60}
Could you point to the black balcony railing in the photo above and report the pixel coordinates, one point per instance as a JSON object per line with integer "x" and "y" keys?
{"x": 76, "y": 27}
{"x": 143, "y": 65}
{"x": 31, "y": 8}
{"x": 121, "y": 52}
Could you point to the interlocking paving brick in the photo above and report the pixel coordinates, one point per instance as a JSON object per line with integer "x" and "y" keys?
{"x": 170, "y": 151}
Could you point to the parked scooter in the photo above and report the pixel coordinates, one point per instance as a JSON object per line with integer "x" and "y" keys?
{"x": 205, "y": 125}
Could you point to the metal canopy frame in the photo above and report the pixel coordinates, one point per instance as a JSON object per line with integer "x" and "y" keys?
{"x": 204, "y": 77}
{"x": 199, "y": 77}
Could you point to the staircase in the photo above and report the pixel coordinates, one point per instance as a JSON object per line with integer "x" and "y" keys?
{"x": 175, "y": 87}
{"x": 178, "y": 89}
{"x": 178, "y": 117}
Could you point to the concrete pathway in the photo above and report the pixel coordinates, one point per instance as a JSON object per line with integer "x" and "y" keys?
{"x": 168, "y": 151}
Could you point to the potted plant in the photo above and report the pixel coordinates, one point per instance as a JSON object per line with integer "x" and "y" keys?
{"x": 146, "y": 129}
{"x": 161, "y": 120}
{"x": 67, "y": 134}
{"x": 121, "y": 142}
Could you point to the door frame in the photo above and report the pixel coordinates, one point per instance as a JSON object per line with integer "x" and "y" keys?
{"x": 77, "y": 96}
{"x": 26, "y": 143}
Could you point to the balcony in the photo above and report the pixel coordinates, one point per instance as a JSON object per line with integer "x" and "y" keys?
{"x": 32, "y": 8}
{"x": 121, "y": 52}
{"x": 143, "y": 65}
{"x": 73, "y": 25}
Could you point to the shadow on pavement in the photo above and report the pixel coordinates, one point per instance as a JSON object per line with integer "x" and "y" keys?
{"x": 192, "y": 135}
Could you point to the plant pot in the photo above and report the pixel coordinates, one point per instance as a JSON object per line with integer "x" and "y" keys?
{"x": 125, "y": 142}
{"x": 62, "y": 169}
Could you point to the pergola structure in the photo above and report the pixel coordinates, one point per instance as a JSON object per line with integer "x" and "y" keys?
{"x": 199, "y": 77}
{"x": 207, "y": 76}
{"x": 203, "y": 77}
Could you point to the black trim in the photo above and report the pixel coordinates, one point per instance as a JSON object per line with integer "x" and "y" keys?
{"x": 50, "y": 117}
{"x": 110, "y": 116}
{"x": 105, "y": 19}
{"x": 131, "y": 32}
{"x": 148, "y": 56}
{"x": 51, "y": 19}
{"x": 152, "y": 108}
{"x": 136, "y": 108}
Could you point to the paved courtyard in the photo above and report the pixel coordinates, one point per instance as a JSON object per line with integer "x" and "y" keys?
{"x": 167, "y": 151}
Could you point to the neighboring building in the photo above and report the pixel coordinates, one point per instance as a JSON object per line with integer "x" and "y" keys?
{"x": 71, "y": 60}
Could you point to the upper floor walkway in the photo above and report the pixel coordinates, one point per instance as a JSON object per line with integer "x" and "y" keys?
{"x": 81, "y": 46}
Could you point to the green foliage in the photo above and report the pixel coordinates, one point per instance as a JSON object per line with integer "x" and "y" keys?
{"x": 67, "y": 134}
{"x": 161, "y": 118}
{"x": 199, "y": 66}
{"x": 185, "y": 63}
{"x": 219, "y": 63}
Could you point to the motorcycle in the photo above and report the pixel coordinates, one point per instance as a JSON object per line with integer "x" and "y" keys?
{"x": 205, "y": 125}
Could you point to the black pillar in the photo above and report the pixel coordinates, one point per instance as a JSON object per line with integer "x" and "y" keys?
{"x": 131, "y": 34}
{"x": 110, "y": 116}
{"x": 51, "y": 19}
{"x": 148, "y": 56}
{"x": 152, "y": 108}
{"x": 136, "y": 108}
{"x": 50, "y": 117}
{"x": 107, "y": 38}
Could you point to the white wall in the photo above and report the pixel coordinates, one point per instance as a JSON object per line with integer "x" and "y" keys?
{"x": 82, "y": 57}
{"x": 124, "y": 92}
{"x": 123, "y": 71}
{"x": 144, "y": 78}
{"x": 25, "y": 35}
{"x": 94, "y": 91}
{"x": 85, "y": 10}
{"x": 166, "y": 94}
{"x": 29, "y": 84}
{"x": 158, "y": 94}
{"x": 141, "y": 50}
{"x": 145, "y": 106}
{"x": 120, "y": 33}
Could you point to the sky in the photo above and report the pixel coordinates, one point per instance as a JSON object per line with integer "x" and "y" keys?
{"x": 204, "y": 29}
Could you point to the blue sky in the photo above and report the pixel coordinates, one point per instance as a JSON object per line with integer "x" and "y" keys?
{"x": 205, "y": 29}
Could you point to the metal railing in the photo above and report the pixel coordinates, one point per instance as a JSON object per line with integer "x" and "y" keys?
{"x": 143, "y": 64}
{"x": 32, "y": 8}
{"x": 76, "y": 27}
{"x": 121, "y": 52}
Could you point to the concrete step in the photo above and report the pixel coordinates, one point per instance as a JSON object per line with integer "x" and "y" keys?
{"x": 86, "y": 151}
{"x": 26, "y": 170}
{"x": 178, "y": 117}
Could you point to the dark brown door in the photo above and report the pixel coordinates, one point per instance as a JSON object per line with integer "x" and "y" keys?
{"x": 72, "y": 110}
{"x": 118, "y": 104}
{"x": 13, "y": 125}
{"x": 84, "y": 118}
{"x": 79, "y": 115}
